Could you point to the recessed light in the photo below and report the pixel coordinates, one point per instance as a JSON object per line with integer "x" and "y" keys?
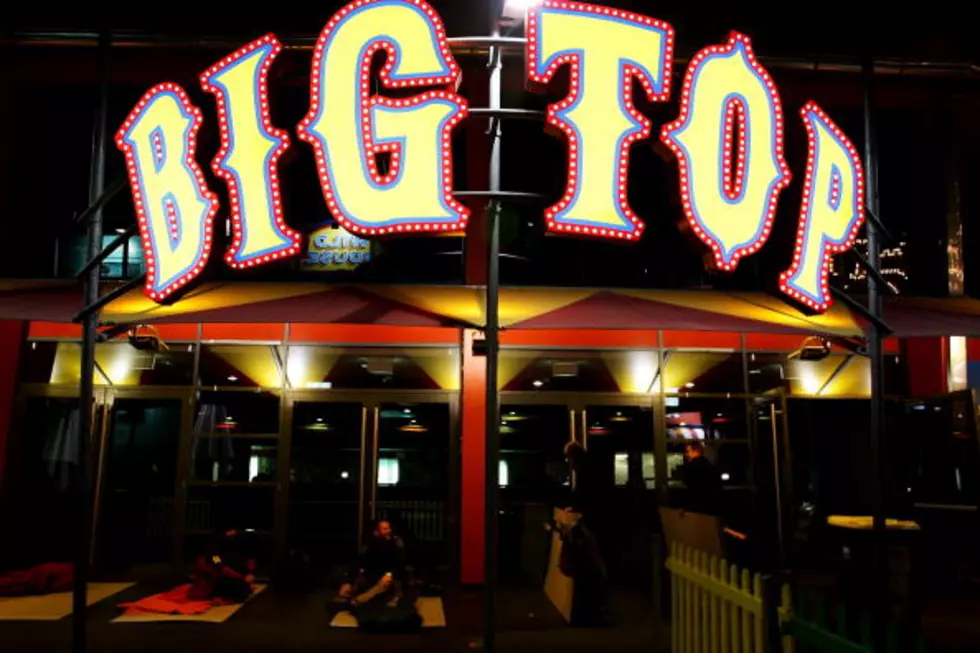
{"x": 319, "y": 420}
{"x": 232, "y": 378}
{"x": 407, "y": 411}
{"x": 538, "y": 384}
{"x": 344, "y": 474}
{"x": 689, "y": 384}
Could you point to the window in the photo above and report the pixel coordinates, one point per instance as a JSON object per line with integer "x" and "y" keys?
{"x": 503, "y": 476}
{"x": 409, "y": 368}
{"x": 125, "y": 261}
{"x": 387, "y": 471}
{"x": 621, "y": 470}
{"x": 578, "y": 371}
{"x": 703, "y": 371}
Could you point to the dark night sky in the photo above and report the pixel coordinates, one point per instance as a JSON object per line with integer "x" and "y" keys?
{"x": 942, "y": 33}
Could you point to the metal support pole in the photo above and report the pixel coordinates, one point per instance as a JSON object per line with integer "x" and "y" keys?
{"x": 492, "y": 346}
{"x": 878, "y": 455}
{"x": 83, "y": 472}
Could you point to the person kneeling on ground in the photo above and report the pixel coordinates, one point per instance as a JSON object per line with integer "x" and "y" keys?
{"x": 225, "y": 572}
{"x": 380, "y": 595}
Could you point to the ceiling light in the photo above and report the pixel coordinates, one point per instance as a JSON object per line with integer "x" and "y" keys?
{"x": 516, "y": 10}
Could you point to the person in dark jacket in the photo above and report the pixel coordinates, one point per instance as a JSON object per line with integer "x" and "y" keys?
{"x": 583, "y": 498}
{"x": 383, "y": 570}
{"x": 581, "y": 556}
{"x": 702, "y": 482}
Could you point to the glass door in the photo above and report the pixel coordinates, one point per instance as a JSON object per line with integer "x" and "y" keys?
{"x": 46, "y": 466}
{"x": 412, "y": 478}
{"x": 137, "y": 465}
{"x": 326, "y": 479}
{"x": 534, "y": 478}
{"x": 772, "y": 477}
{"x": 619, "y": 440}
{"x": 233, "y": 470}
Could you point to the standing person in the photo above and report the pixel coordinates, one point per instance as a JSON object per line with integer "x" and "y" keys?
{"x": 702, "y": 482}
{"x": 581, "y": 558}
{"x": 583, "y": 498}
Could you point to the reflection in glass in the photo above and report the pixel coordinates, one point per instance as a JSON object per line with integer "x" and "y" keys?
{"x": 241, "y": 366}
{"x": 418, "y": 368}
{"x": 46, "y": 464}
{"x": 619, "y": 441}
{"x": 939, "y": 450}
{"x": 124, "y": 262}
{"x": 138, "y": 482}
{"x": 705, "y": 419}
{"x": 213, "y": 508}
{"x": 413, "y": 475}
{"x": 578, "y": 371}
{"x": 116, "y": 363}
{"x": 622, "y": 470}
{"x": 717, "y": 424}
{"x": 768, "y": 371}
{"x": 225, "y": 414}
{"x": 532, "y": 439}
{"x": 703, "y": 371}
{"x": 325, "y": 478}
{"x": 239, "y": 460}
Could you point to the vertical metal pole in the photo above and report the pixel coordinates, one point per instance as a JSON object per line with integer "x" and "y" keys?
{"x": 660, "y": 426}
{"x": 492, "y": 345}
{"x": 878, "y": 456}
{"x": 83, "y": 480}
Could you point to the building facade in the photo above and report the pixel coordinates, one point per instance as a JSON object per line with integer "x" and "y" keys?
{"x": 303, "y": 399}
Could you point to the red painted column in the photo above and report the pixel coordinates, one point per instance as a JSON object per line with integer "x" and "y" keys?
{"x": 11, "y": 340}
{"x": 473, "y": 452}
{"x": 927, "y": 364}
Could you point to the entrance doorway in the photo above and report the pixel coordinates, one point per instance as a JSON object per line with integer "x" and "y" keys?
{"x": 358, "y": 457}
{"x": 534, "y": 477}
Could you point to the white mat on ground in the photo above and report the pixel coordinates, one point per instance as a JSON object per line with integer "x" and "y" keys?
{"x": 216, "y": 615}
{"x": 429, "y": 607}
{"x": 51, "y": 607}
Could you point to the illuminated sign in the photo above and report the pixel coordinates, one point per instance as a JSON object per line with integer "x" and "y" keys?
{"x": 385, "y": 162}
{"x": 334, "y": 248}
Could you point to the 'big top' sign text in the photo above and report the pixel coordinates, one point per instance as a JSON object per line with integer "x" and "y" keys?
{"x": 728, "y": 142}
